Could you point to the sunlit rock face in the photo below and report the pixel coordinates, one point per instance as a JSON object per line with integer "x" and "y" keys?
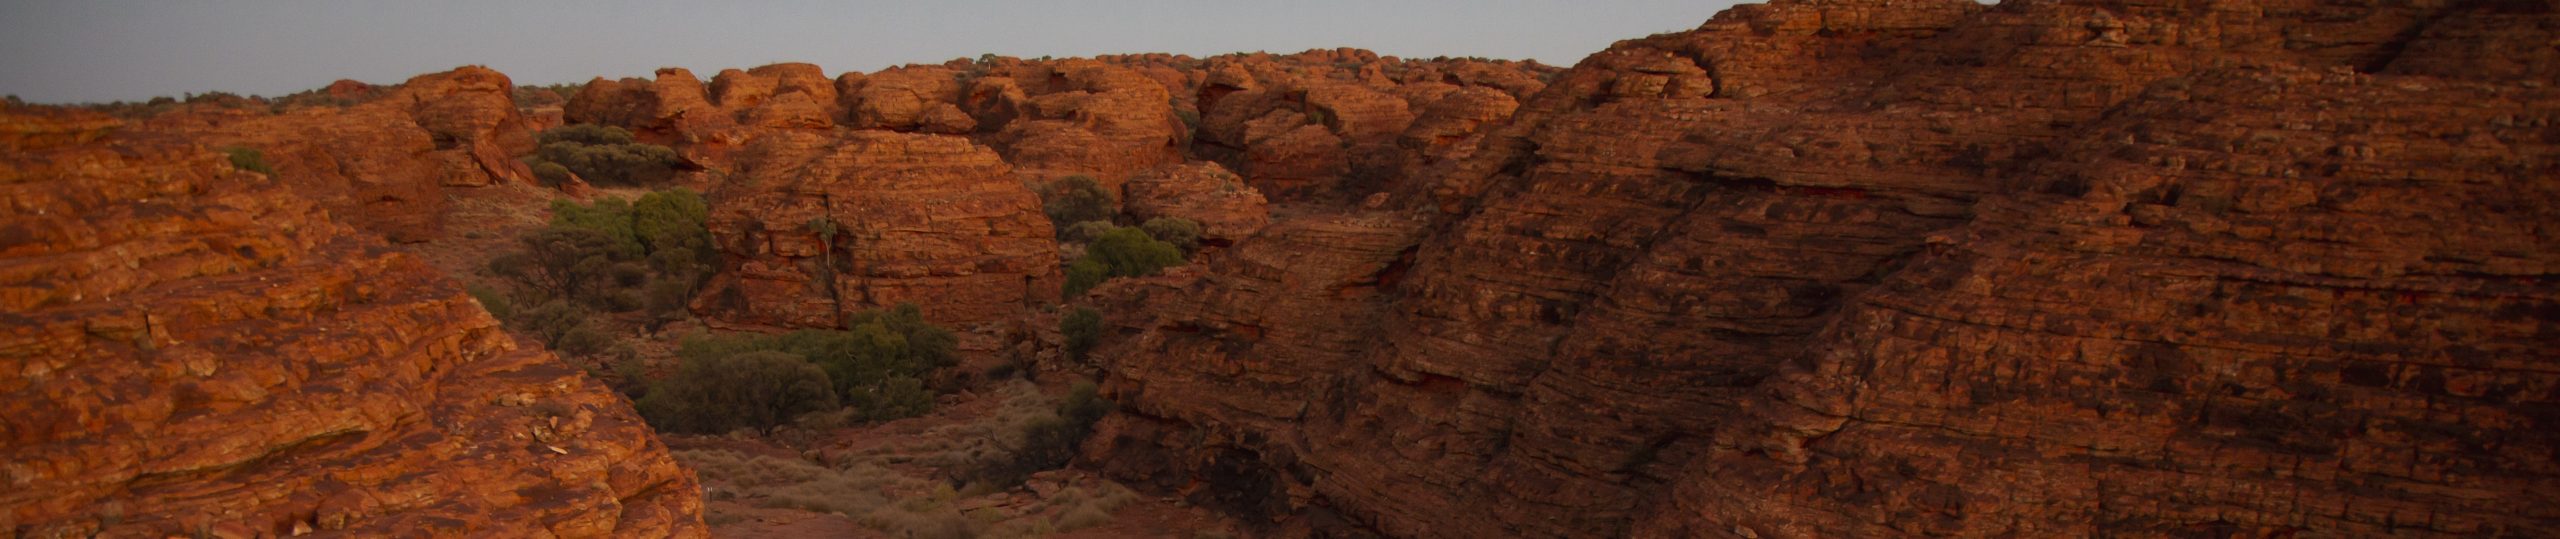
{"x": 196, "y": 350}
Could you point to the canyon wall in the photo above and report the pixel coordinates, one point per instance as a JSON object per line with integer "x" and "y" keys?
{"x": 1874, "y": 268}
{"x": 815, "y": 226}
{"x": 192, "y": 349}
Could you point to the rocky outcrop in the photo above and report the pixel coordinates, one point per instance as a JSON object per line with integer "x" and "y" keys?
{"x": 195, "y": 350}
{"x": 1080, "y": 118}
{"x": 1225, "y": 207}
{"x": 1328, "y": 122}
{"x": 381, "y": 164}
{"x": 1882, "y": 268}
{"x": 815, "y": 226}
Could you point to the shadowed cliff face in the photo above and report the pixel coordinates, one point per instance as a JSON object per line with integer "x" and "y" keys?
{"x": 1840, "y": 269}
{"x": 195, "y": 350}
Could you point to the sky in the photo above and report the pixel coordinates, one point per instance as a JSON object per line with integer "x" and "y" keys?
{"x": 60, "y": 51}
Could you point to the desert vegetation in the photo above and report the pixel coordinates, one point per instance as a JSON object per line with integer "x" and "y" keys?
{"x": 602, "y": 155}
{"x": 612, "y": 257}
{"x": 874, "y": 371}
{"x": 948, "y": 480}
{"x": 1121, "y": 252}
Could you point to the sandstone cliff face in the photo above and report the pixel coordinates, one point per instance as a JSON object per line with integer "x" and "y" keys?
{"x": 817, "y": 225}
{"x": 194, "y": 350}
{"x": 1842, "y": 269}
{"x": 1080, "y": 117}
{"x": 1206, "y": 193}
{"x": 1322, "y": 122}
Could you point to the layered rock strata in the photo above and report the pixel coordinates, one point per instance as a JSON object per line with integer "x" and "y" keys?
{"x": 1878, "y": 268}
{"x": 815, "y": 226}
{"x": 195, "y": 350}
{"x": 382, "y": 164}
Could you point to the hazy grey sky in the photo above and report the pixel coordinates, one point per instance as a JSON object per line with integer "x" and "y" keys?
{"x": 104, "y": 50}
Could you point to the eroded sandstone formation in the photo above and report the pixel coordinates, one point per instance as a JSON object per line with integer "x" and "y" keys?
{"x": 381, "y": 164}
{"x": 1206, "y": 193}
{"x": 1881, "y": 268}
{"x": 816, "y": 226}
{"x": 194, "y": 350}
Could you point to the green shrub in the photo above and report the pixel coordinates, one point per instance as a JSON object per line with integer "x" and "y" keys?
{"x": 878, "y": 367}
{"x": 585, "y": 340}
{"x": 1082, "y": 328}
{"x": 1182, "y": 233}
{"x": 1086, "y": 232}
{"x": 895, "y": 398}
{"x": 498, "y": 304}
{"x": 1075, "y": 199}
{"x": 1083, "y": 275}
{"x": 550, "y": 174}
{"x": 552, "y": 321}
{"x": 1048, "y": 442}
{"x": 609, "y": 216}
{"x": 667, "y": 299}
{"x": 1130, "y": 252}
{"x": 672, "y": 221}
{"x": 1122, "y": 252}
{"x": 249, "y": 159}
{"x": 606, "y": 155}
{"x": 758, "y": 390}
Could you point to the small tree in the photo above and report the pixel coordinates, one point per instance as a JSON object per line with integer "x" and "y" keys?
{"x": 1082, "y": 329}
{"x": 1182, "y": 233}
{"x": 1129, "y": 252}
{"x": 1076, "y": 199}
{"x": 249, "y": 159}
{"x": 1048, "y": 442}
{"x": 1122, "y": 252}
{"x": 550, "y": 174}
{"x": 758, "y": 390}
{"x": 1082, "y": 275}
{"x": 672, "y": 220}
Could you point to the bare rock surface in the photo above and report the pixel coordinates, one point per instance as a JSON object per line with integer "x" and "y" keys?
{"x": 1886, "y": 268}
{"x": 195, "y": 350}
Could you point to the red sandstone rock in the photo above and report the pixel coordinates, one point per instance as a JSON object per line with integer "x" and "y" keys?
{"x": 1084, "y": 118}
{"x": 930, "y": 219}
{"x": 192, "y": 349}
{"x": 1226, "y": 208}
{"x": 380, "y": 164}
{"x": 1893, "y": 268}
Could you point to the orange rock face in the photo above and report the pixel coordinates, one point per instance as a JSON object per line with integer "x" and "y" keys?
{"x": 1080, "y": 117}
{"x": 194, "y": 350}
{"x": 1225, "y": 207}
{"x": 818, "y": 225}
{"x": 1889, "y": 268}
{"x": 380, "y": 164}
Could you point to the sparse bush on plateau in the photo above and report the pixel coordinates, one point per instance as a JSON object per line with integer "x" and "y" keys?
{"x": 249, "y": 159}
